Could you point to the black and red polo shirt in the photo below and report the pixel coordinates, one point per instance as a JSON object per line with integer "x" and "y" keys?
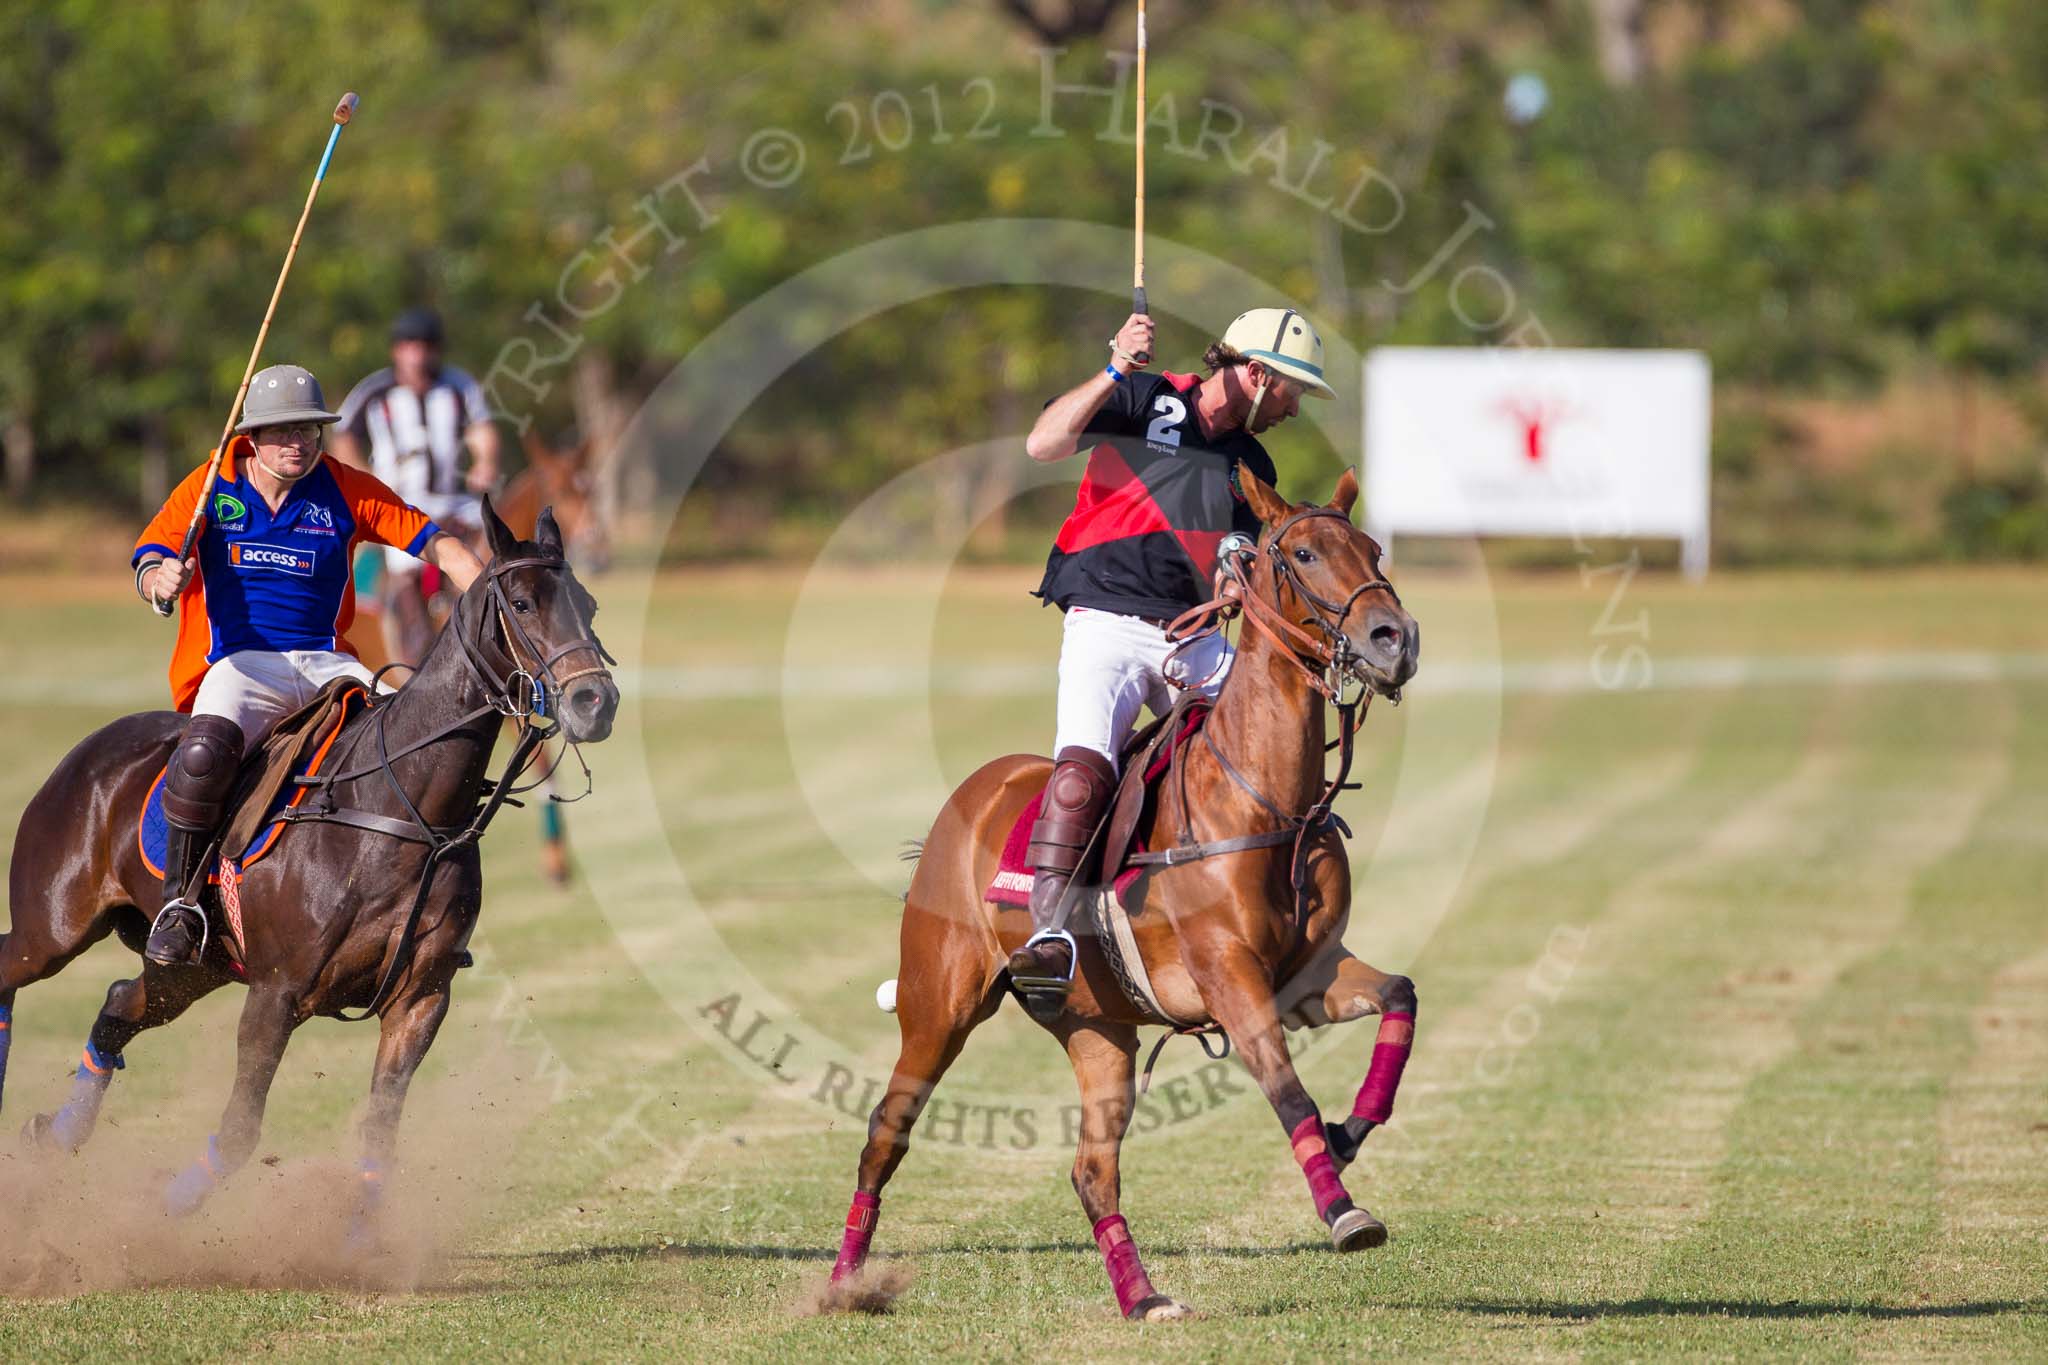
{"x": 1156, "y": 500}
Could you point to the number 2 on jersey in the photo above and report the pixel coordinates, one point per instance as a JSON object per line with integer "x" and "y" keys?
{"x": 1171, "y": 411}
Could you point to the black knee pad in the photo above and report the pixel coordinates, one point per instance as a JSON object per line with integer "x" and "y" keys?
{"x": 203, "y": 769}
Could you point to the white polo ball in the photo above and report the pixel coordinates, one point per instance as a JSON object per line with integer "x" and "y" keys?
{"x": 885, "y": 996}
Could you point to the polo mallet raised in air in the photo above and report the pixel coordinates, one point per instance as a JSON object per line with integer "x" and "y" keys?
{"x": 343, "y": 112}
{"x": 1138, "y": 266}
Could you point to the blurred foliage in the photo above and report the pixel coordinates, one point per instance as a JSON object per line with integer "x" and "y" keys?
{"x": 1824, "y": 196}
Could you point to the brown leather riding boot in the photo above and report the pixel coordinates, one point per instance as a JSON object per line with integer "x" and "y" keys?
{"x": 1076, "y": 799}
{"x": 202, "y": 775}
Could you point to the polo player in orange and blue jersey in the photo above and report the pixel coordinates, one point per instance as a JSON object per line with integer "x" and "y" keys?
{"x": 264, "y": 606}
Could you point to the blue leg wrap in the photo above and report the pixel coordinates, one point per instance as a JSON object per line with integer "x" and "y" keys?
{"x": 188, "y": 1188}
{"x": 550, "y": 822}
{"x": 362, "y": 1223}
{"x": 6, "y": 1040}
{"x": 73, "y": 1124}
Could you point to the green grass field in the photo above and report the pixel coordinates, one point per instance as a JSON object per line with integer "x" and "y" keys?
{"x": 1733, "y": 1041}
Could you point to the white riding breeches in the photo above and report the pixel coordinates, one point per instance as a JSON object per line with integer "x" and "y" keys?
{"x": 1111, "y": 666}
{"x": 257, "y": 688}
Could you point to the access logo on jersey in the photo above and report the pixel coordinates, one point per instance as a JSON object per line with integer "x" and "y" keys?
{"x": 280, "y": 558}
{"x": 228, "y": 512}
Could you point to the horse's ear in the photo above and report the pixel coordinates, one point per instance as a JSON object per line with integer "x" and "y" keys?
{"x": 504, "y": 545}
{"x": 1271, "y": 508}
{"x": 546, "y": 534}
{"x": 1346, "y": 496}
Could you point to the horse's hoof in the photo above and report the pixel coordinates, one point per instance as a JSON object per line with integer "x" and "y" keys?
{"x": 1357, "y": 1230}
{"x": 187, "y": 1190}
{"x": 1160, "y": 1308}
{"x": 36, "y": 1133}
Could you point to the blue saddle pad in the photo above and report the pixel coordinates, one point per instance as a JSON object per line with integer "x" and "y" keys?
{"x": 153, "y": 829}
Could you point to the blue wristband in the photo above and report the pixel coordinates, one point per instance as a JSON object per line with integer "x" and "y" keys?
{"x": 1114, "y": 373}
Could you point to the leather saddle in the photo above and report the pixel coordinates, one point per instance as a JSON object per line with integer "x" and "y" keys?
{"x": 266, "y": 773}
{"x": 1148, "y": 756}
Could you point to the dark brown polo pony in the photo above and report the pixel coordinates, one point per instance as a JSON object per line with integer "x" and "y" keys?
{"x": 1226, "y": 938}
{"x": 326, "y": 916}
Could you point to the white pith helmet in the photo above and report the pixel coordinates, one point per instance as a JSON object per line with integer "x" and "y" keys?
{"x": 1284, "y": 342}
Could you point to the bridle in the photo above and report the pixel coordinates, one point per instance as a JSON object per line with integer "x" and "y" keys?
{"x": 532, "y": 686}
{"x": 1327, "y": 661}
{"x": 523, "y": 695}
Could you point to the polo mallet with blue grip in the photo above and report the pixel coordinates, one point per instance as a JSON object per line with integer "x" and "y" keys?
{"x": 343, "y": 112}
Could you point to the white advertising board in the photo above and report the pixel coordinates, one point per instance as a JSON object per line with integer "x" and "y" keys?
{"x": 1477, "y": 441}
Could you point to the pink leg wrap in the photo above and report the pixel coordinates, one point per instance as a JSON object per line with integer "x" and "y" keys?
{"x": 860, "y": 1230}
{"x": 1120, "y": 1257}
{"x": 1375, "y": 1101}
{"x": 1313, "y": 1155}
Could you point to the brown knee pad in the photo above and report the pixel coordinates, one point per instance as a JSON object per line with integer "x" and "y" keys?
{"x": 1076, "y": 798}
{"x": 202, "y": 774}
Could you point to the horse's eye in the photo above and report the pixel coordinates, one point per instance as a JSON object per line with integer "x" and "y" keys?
{"x": 522, "y": 605}
{"x": 1302, "y": 556}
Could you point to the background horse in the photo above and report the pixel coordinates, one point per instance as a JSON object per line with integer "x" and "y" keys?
{"x": 563, "y": 480}
{"x": 1227, "y": 939}
{"x": 326, "y": 914}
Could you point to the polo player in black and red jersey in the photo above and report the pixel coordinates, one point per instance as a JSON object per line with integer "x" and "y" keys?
{"x": 1159, "y": 498}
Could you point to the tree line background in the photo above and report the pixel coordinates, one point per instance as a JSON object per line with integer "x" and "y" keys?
{"x": 1842, "y": 202}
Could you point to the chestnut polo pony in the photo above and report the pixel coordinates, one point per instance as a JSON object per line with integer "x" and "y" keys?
{"x": 1249, "y": 915}
{"x": 368, "y": 906}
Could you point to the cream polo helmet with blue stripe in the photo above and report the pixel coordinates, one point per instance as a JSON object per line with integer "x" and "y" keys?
{"x": 1284, "y": 342}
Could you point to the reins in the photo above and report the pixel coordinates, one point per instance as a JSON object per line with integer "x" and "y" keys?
{"x": 1324, "y": 662}
{"x": 524, "y": 695}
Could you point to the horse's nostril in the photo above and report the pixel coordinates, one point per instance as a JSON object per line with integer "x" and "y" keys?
{"x": 1387, "y": 639}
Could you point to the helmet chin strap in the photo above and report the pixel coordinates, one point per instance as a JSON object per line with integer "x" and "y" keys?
{"x": 264, "y": 465}
{"x": 1257, "y": 398}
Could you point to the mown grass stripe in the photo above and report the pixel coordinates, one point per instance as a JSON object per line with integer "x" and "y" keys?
{"x": 1826, "y": 1156}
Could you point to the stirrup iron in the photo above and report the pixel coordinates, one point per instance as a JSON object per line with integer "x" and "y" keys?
{"x": 205, "y": 926}
{"x": 1059, "y": 983}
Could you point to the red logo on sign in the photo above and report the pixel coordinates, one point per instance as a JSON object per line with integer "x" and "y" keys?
{"x": 1536, "y": 419}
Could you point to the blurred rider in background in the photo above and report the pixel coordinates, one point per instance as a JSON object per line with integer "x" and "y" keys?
{"x": 410, "y": 424}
